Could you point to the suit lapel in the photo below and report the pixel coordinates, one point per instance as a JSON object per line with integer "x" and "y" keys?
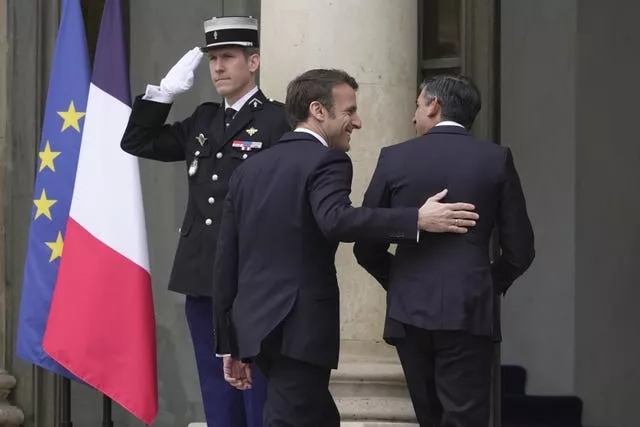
{"x": 243, "y": 118}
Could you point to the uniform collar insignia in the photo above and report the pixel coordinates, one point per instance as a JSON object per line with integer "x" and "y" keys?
{"x": 201, "y": 139}
{"x": 255, "y": 103}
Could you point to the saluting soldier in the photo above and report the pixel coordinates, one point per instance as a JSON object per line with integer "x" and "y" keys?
{"x": 213, "y": 141}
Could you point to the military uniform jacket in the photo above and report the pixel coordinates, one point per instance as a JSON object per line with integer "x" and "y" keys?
{"x": 210, "y": 154}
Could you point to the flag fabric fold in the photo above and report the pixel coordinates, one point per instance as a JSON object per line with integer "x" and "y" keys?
{"x": 64, "y": 114}
{"x": 101, "y": 324}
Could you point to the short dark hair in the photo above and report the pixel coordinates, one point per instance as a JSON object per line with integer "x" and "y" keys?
{"x": 458, "y": 96}
{"x": 248, "y": 51}
{"x": 313, "y": 85}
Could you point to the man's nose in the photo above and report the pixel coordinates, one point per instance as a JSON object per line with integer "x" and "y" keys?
{"x": 356, "y": 122}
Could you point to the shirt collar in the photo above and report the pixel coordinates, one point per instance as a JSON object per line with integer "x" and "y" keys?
{"x": 318, "y": 137}
{"x": 449, "y": 123}
{"x": 240, "y": 102}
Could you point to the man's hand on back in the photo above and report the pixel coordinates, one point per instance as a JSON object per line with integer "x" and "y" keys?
{"x": 437, "y": 217}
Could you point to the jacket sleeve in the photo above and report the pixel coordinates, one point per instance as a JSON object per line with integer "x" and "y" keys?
{"x": 329, "y": 187}
{"x": 225, "y": 280}
{"x": 515, "y": 233}
{"x": 374, "y": 256}
{"x": 149, "y": 137}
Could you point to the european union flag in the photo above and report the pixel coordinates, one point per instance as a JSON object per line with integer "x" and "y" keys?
{"x": 56, "y": 171}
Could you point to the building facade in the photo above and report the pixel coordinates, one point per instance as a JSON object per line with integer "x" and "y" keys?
{"x": 559, "y": 85}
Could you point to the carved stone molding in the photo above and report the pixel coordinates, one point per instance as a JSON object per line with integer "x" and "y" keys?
{"x": 10, "y": 416}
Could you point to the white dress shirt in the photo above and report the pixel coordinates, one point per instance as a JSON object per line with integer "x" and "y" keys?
{"x": 240, "y": 102}
{"x": 310, "y": 132}
{"x": 449, "y": 123}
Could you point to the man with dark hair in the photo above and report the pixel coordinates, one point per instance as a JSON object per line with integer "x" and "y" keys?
{"x": 275, "y": 290}
{"x": 440, "y": 293}
{"x": 212, "y": 142}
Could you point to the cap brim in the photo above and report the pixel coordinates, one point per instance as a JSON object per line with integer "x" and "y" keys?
{"x": 226, "y": 44}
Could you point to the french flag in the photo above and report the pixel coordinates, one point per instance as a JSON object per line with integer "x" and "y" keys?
{"x": 101, "y": 326}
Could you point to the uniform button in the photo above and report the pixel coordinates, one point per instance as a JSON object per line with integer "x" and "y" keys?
{"x": 214, "y": 177}
{"x": 244, "y": 156}
{"x": 219, "y": 155}
{"x": 211, "y": 200}
{"x": 197, "y": 153}
{"x": 208, "y": 221}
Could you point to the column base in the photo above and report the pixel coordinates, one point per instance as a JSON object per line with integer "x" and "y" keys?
{"x": 369, "y": 386}
{"x": 376, "y": 424}
{"x": 10, "y": 416}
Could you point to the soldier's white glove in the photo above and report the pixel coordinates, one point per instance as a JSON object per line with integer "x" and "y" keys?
{"x": 178, "y": 80}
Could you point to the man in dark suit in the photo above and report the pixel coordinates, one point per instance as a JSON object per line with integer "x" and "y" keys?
{"x": 441, "y": 292}
{"x": 213, "y": 142}
{"x": 276, "y": 298}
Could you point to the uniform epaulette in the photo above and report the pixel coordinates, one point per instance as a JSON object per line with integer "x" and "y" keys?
{"x": 209, "y": 106}
{"x": 276, "y": 102}
{"x": 212, "y": 104}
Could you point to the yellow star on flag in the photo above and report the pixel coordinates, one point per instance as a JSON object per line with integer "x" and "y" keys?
{"x": 56, "y": 247}
{"x": 71, "y": 118}
{"x": 47, "y": 156}
{"x": 43, "y": 205}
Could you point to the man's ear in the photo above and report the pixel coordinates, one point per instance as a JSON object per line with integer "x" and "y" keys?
{"x": 433, "y": 109}
{"x": 317, "y": 111}
{"x": 254, "y": 62}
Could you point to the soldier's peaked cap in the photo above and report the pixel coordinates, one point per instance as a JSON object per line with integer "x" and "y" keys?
{"x": 230, "y": 31}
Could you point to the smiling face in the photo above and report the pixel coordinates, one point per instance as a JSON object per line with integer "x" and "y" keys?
{"x": 232, "y": 71}
{"x": 342, "y": 119}
{"x": 324, "y": 101}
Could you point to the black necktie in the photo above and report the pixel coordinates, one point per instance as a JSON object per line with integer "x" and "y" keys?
{"x": 229, "y": 114}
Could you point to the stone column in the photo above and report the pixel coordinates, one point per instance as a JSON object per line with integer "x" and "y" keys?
{"x": 9, "y": 415}
{"x": 376, "y": 42}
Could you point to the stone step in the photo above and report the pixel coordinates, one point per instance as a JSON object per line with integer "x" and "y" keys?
{"x": 378, "y": 371}
{"x": 368, "y": 370}
{"x": 376, "y": 424}
{"x": 378, "y": 409}
{"x": 369, "y": 386}
{"x": 348, "y": 424}
{"x": 368, "y": 379}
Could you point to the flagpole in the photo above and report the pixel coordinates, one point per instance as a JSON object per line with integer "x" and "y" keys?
{"x": 106, "y": 411}
{"x": 65, "y": 413}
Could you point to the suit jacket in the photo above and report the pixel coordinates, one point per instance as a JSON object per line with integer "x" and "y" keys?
{"x": 447, "y": 281}
{"x": 212, "y": 154}
{"x": 285, "y": 213}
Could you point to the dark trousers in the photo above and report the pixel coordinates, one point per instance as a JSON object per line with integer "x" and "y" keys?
{"x": 449, "y": 376}
{"x": 297, "y": 392}
{"x": 224, "y": 405}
